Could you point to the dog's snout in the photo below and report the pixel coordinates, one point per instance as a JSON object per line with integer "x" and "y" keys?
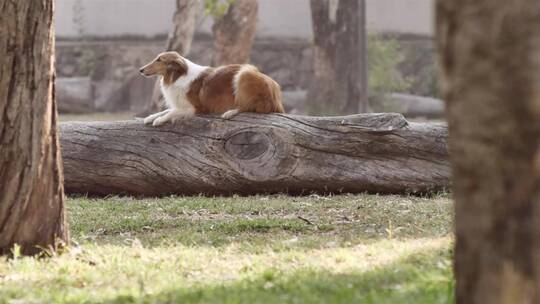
{"x": 141, "y": 71}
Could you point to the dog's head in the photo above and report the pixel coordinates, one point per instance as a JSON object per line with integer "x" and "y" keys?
{"x": 170, "y": 65}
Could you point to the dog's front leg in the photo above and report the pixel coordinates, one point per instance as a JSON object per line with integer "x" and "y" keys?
{"x": 151, "y": 118}
{"x": 172, "y": 116}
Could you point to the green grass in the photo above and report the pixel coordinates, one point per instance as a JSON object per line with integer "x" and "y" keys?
{"x": 262, "y": 249}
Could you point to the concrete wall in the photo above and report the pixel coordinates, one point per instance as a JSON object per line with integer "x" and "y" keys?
{"x": 277, "y": 18}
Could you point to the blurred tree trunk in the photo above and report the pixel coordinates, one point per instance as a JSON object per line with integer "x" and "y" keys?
{"x": 184, "y": 26}
{"x": 179, "y": 40}
{"x": 31, "y": 181}
{"x": 340, "y": 57}
{"x": 234, "y": 33}
{"x": 491, "y": 78}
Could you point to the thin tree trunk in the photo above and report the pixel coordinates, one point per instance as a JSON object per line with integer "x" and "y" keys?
{"x": 339, "y": 85}
{"x": 179, "y": 40}
{"x": 184, "y": 26}
{"x": 31, "y": 185}
{"x": 234, "y": 33}
{"x": 491, "y": 74}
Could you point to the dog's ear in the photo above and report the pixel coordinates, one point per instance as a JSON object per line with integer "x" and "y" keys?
{"x": 176, "y": 68}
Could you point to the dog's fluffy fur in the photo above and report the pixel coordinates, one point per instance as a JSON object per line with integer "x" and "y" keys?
{"x": 191, "y": 89}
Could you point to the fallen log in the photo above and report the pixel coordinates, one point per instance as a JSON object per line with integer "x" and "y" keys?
{"x": 251, "y": 154}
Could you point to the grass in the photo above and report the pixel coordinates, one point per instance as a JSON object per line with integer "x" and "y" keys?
{"x": 262, "y": 249}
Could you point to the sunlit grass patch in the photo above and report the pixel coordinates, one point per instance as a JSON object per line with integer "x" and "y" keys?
{"x": 209, "y": 274}
{"x": 262, "y": 249}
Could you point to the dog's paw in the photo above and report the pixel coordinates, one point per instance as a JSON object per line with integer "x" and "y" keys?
{"x": 230, "y": 114}
{"x": 149, "y": 120}
{"x": 160, "y": 121}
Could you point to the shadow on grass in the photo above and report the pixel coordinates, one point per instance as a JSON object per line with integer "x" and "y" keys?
{"x": 418, "y": 278}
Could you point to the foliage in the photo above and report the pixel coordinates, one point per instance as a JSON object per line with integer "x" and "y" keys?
{"x": 264, "y": 249}
{"x": 88, "y": 57}
{"x": 78, "y": 17}
{"x": 428, "y": 81}
{"x": 384, "y": 58}
{"x": 217, "y": 8}
{"x": 88, "y": 61}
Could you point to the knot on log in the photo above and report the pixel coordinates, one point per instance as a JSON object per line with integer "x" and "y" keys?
{"x": 246, "y": 145}
{"x": 260, "y": 153}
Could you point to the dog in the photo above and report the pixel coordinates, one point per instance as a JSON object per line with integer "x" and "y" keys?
{"x": 190, "y": 89}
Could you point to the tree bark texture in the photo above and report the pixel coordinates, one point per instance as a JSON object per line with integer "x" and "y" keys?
{"x": 339, "y": 85}
{"x": 179, "y": 40}
{"x": 491, "y": 74}
{"x": 254, "y": 154}
{"x": 31, "y": 191}
{"x": 234, "y": 33}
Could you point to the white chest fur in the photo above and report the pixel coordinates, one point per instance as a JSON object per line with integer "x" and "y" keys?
{"x": 176, "y": 94}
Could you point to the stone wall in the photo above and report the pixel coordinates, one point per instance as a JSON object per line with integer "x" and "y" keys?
{"x": 111, "y": 65}
{"x": 116, "y": 85}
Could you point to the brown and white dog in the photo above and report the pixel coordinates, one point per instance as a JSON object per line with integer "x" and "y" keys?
{"x": 191, "y": 89}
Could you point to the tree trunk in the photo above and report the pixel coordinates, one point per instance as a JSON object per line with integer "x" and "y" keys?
{"x": 234, "y": 33}
{"x": 31, "y": 190}
{"x": 179, "y": 40}
{"x": 491, "y": 74}
{"x": 256, "y": 154}
{"x": 339, "y": 85}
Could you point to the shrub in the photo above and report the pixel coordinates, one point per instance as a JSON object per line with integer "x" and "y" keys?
{"x": 384, "y": 76}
